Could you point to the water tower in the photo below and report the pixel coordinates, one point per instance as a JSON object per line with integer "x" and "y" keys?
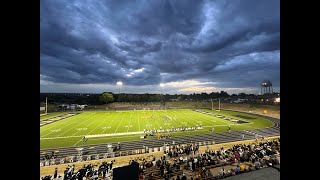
{"x": 266, "y": 88}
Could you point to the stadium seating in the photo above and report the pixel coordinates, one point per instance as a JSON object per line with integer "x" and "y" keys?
{"x": 239, "y": 159}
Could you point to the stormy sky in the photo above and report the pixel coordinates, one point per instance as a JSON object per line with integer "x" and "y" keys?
{"x": 190, "y": 46}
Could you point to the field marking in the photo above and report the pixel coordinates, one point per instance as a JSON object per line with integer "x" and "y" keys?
{"x": 152, "y": 114}
{"x": 110, "y": 123}
{"x": 99, "y": 120}
{"x": 220, "y": 120}
{"x": 139, "y": 121}
{"x": 114, "y": 134}
{"x": 124, "y": 133}
{"x": 53, "y": 125}
{"x": 228, "y": 125}
{"x": 186, "y": 118}
{"x": 98, "y": 124}
{"x": 148, "y": 123}
{"x": 77, "y": 142}
{"x": 66, "y": 122}
{"x": 186, "y": 115}
{"x": 59, "y": 123}
{"x": 192, "y": 119}
{"x": 93, "y": 122}
{"x": 62, "y": 137}
{"x": 85, "y": 121}
{"x": 119, "y": 123}
{"x": 172, "y": 120}
{"x": 95, "y": 135}
{"x": 129, "y": 122}
{"x": 208, "y": 119}
{"x": 179, "y": 125}
{"x": 78, "y": 125}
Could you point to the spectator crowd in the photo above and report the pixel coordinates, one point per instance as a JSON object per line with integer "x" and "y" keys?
{"x": 181, "y": 160}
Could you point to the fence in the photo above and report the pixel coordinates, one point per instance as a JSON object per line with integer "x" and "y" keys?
{"x": 81, "y": 158}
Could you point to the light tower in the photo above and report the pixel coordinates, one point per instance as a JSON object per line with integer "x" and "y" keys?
{"x": 266, "y": 88}
{"x": 119, "y": 84}
{"x": 161, "y": 96}
{"x": 46, "y": 105}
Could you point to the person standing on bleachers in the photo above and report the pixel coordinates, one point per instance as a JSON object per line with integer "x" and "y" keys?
{"x": 184, "y": 177}
{"x": 55, "y": 174}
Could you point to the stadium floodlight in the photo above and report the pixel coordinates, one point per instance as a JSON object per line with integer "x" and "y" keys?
{"x": 119, "y": 83}
{"x": 161, "y": 95}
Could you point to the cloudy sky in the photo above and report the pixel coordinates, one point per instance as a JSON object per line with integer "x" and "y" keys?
{"x": 86, "y": 46}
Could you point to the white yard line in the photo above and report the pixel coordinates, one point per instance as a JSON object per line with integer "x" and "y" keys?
{"x": 96, "y": 126}
{"x": 210, "y": 122}
{"x": 58, "y": 124}
{"x": 54, "y": 125}
{"x": 194, "y": 118}
{"x": 154, "y": 119}
{"x": 110, "y": 123}
{"x": 63, "y": 137}
{"x": 119, "y": 123}
{"x": 175, "y": 120}
{"x": 114, "y": 134}
{"x": 65, "y": 122}
{"x": 185, "y": 118}
{"x": 148, "y": 123}
{"x": 213, "y": 118}
{"x": 96, "y": 135}
{"x": 139, "y": 121}
{"x": 129, "y": 122}
{"x": 77, "y": 142}
{"x": 92, "y": 117}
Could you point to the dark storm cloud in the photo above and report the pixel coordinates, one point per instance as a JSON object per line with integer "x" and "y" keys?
{"x": 232, "y": 43}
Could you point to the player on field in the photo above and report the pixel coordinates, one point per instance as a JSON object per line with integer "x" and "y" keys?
{"x": 84, "y": 139}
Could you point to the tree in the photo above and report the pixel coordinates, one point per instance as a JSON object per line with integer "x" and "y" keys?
{"x": 106, "y": 98}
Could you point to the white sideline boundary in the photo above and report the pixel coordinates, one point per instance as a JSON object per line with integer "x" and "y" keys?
{"x": 97, "y": 135}
{"x": 103, "y": 135}
{"x": 114, "y": 134}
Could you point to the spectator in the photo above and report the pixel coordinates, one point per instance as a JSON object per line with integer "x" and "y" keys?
{"x": 256, "y": 153}
{"x": 242, "y": 168}
{"x": 184, "y": 177}
{"x": 237, "y": 170}
{"x": 55, "y": 174}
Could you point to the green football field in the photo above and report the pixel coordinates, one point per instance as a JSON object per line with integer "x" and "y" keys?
{"x": 117, "y": 126}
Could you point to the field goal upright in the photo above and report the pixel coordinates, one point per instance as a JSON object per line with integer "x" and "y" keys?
{"x": 44, "y": 107}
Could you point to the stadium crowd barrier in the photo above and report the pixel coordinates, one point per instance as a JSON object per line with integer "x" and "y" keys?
{"x": 80, "y": 157}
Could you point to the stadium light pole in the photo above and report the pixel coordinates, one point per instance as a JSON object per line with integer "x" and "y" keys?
{"x": 119, "y": 83}
{"x": 161, "y": 95}
{"x": 161, "y": 85}
{"x": 46, "y": 105}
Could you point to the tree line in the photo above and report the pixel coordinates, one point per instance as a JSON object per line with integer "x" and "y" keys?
{"x": 109, "y": 97}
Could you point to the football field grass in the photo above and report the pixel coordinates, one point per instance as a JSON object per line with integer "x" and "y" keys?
{"x": 117, "y": 126}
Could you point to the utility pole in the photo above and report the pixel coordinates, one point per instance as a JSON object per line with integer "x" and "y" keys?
{"x": 211, "y": 104}
{"x": 219, "y": 104}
